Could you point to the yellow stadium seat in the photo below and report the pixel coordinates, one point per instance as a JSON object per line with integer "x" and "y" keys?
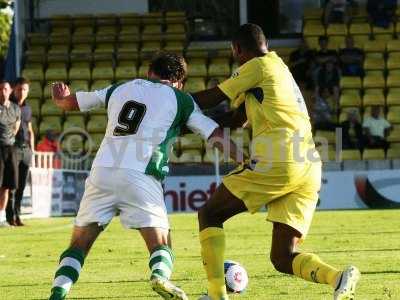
{"x": 346, "y": 110}
{"x": 393, "y": 97}
{"x": 177, "y": 46}
{"x": 80, "y": 73}
{"x": 103, "y": 73}
{"x": 105, "y": 48}
{"x": 35, "y": 104}
{"x": 374, "y": 63}
{"x": 219, "y": 67}
{"x": 191, "y": 141}
{"x": 83, "y": 20}
{"x": 313, "y": 29}
{"x": 37, "y": 38}
{"x": 176, "y": 28}
{"x": 128, "y": 71}
{"x": 360, "y": 40}
{"x": 128, "y": 47}
{"x": 312, "y": 42}
{"x": 197, "y": 67}
{"x": 360, "y": 29}
{"x": 59, "y": 49}
{"x": 313, "y": 13}
{"x": 130, "y": 29}
{"x": 151, "y": 46}
{"x": 143, "y": 69}
{"x": 374, "y": 46}
{"x": 336, "y": 42}
{"x": 97, "y": 124}
{"x": 393, "y": 115}
{"x": 195, "y": 84}
{"x": 56, "y": 73}
{"x": 373, "y": 97}
{"x": 190, "y": 156}
{"x": 350, "y": 82}
{"x": 34, "y": 122}
{"x": 393, "y": 79}
{"x": 49, "y": 123}
{"x": 394, "y": 135}
{"x": 241, "y": 136}
{"x": 48, "y": 108}
{"x": 336, "y": 29}
{"x": 84, "y": 30}
{"x": 209, "y": 156}
{"x": 151, "y": 29}
{"x": 393, "y": 61}
{"x": 351, "y": 154}
{"x": 107, "y": 30}
{"x": 374, "y": 80}
{"x": 100, "y": 111}
{"x": 393, "y": 46}
{"x": 35, "y": 89}
{"x": 74, "y": 121}
{"x": 79, "y": 85}
{"x": 393, "y": 153}
{"x": 350, "y": 99}
{"x": 383, "y": 33}
{"x": 373, "y": 154}
{"x": 82, "y": 49}
{"x": 94, "y": 142}
{"x": 100, "y": 84}
{"x": 329, "y": 136}
{"x": 33, "y": 74}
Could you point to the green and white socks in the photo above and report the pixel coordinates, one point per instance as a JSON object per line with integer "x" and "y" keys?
{"x": 161, "y": 262}
{"x": 71, "y": 263}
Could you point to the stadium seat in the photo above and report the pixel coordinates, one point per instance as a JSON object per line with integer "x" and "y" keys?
{"x": 151, "y": 29}
{"x": 47, "y": 90}
{"x": 94, "y": 141}
{"x": 359, "y": 29}
{"x": 336, "y": 29}
{"x": 35, "y": 89}
{"x": 190, "y": 156}
{"x": 35, "y": 104}
{"x": 393, "y": 97}
{"x": 393, "y": 79}
{"x": 381, "y": 33}
{"x": 128, "y": 47}
{"x": 175, "y": 28}
{"x": 151, "y": 46}
{"x": 312, "y": 42}
{"x": 241, "y": 136}
{"x": 33, "y": 74}
{"x": 126, "y": 70}
{"x": 351, "y": 154}
{"x": 73, "y": 121}
{"x": 351, "y": 98}
{"x": 48, "y": 108}
{"x": 374, "y": 46}
{"x": 37, "y": 38}
{"x": 194, "y": 84}
{"x": 107, "y": 31}
{"x": 143, "y": 69}
{"x": 344, "y": 113}
{"x": 373, "y": 154}
{"x": 100, "y": 84}
{"x": 373, "y": 97}
{"x": 219, "y": 67}
{"x": 80, "y": 73}
{"x": 49, "y": 123}
{"x": 104, "y": 48}
{"x": 82, "y": 49}
{"x": 393, "y": 46}
{"x": 393, "y": 153}
{"x": 313, "y": 29}
{"x": 56, "y": 73}
{"x": 374, "y": 63}
{"x": 336, "y": 42}
{"x": 106, "y": 73}
{"x": 79, "y": 85}
{"x": 130, "y": 19}
{"x": 393, "y": 61}
{"x": 130, "y": 29}
{"x": 59, "y": 49}
{"x": 394, "y": 135}
{"x": 359, "y": 40}
{"x": 209, "y": 156}
{"x": 350, "y": 82}
{"x": 175, "y": 46}
{"x": 100, "y": 111}
{"x": 393, "y": 115}
{"x": 96, "y": 124}
{"x": 329, "y": 136}
{"x": 197, "y": 67}
{"x": 374, "y": 80}
{"x": 84, "y": 30}
{"x": 313, "y": 13}
{"x": 191, "y": 141}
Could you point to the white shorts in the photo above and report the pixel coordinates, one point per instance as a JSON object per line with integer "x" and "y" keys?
{"x": 137, "y": 198}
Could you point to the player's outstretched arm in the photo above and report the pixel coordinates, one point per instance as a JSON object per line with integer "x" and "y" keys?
{"x": 209, "y": 98}
{"x": 63, "y": 98}
{"x": 232, "y": 119}
{"x": 225, "y": 144}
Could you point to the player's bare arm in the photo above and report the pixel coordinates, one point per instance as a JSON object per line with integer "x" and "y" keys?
{"x": 232, "y": 119}
{"x": 209, "y": 98}
{"x": 63, "y": 98}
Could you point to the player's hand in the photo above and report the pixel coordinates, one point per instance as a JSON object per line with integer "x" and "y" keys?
{"x": 60, "y": 90}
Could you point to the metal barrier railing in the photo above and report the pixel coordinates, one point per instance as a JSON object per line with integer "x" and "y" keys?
{"x": 54, "y": 160}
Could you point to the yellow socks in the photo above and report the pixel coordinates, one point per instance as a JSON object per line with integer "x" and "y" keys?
{"x": 212, "y": 240}
{"x": 310, "y": 267}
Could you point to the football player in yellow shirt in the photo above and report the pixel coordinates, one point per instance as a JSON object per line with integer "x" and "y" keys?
{"x": 285, "y": 173}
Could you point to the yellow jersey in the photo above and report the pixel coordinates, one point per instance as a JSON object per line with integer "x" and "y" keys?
{"x": 275, "y": 108}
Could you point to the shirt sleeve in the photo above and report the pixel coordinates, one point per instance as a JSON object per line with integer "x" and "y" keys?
{"x": 245, "y": 78}
{"x": 387, "y": 124}
{"x": 90, "y": 100}
{"x": 200, "y": 124}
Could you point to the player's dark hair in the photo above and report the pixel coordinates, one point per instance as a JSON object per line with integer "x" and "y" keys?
{"x": 21, "y": 80}
{"x": 169, "y": 66}
{"x": 250, "y": 37}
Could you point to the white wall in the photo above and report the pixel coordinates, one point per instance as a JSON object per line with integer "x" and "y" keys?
{"x": 48, "y": 8}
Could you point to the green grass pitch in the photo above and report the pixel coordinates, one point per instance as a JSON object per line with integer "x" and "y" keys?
{"x": 117, "y": 266}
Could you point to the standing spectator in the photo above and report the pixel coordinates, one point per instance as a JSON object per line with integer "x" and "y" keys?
{"x": 24, "y": 143}
{"x": 10, "y": 118}
{"x": 376, "y": 129}
{"x": 328, "y": 77}
{"x": 300, "y": 62}
{"x": 352, "y": 132}
{"x": 323, "y": 113}
{"x": 381, "y": 12}
{"x": 351, "y": 59}
{"x": 337, "y": 11}
{"x": 324, "y": 54}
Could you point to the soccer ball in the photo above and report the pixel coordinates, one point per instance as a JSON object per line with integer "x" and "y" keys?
{"x": 236, "y": 278}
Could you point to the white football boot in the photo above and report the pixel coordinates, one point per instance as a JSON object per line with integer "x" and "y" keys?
{"x": 347, "y": 282}
{"x": 167, "y": 290}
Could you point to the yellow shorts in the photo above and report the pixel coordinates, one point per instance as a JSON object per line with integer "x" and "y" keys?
{"x": 288, "y": 190}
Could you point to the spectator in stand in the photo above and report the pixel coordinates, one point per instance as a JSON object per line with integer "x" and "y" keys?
{"x": 352, "y": 132}
{"x": 351, "y": 59}
{"x": 324, "y": 54}
{"x": 10, "y": 118}
{"x": 328, "y": 77}
{"x": 337, "y": 11}
{"x": 24, "y": 143}
{"x": 300, "y": 63}
{"x": 323, "y": 113}
{"x": 381, "y": 12}
{"x": 49, "y": 143}
{"x": 376, "y": 129}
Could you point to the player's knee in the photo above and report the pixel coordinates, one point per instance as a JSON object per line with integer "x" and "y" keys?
{"x": 281, "y": 263}
{"x": 208, "y": 218}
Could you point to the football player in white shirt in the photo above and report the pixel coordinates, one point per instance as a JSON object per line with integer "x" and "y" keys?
{"x": 144, "y": 116}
